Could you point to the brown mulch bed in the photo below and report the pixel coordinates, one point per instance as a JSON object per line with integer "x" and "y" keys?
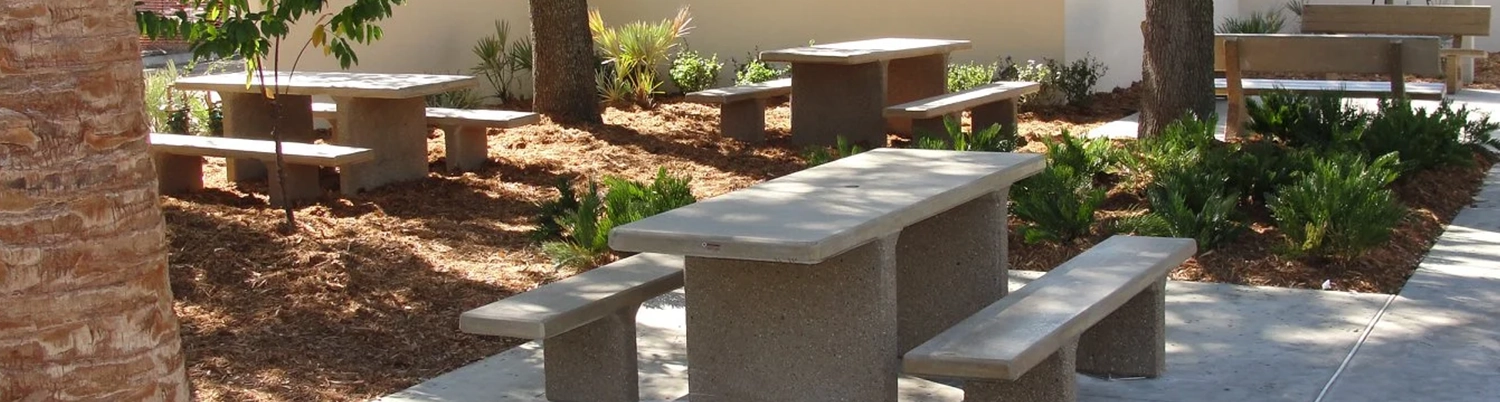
{"x": 363, "y": 299}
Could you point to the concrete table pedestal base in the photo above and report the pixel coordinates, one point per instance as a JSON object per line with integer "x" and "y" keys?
{"x": 1053, "y": 380}
{"x": 178, "y": 173}
{"x": 911, "y": 79}
{"x": 1132, "y": 341}
{"x": 595, "y": 362}
{"x": 396, "y": 129}
{"x": 836, "y": 100}
{"x": 301, "y": 183}
{"x": 764, "y": 331}
{"x": 248, "y": 115}
{"x": 951, "y": 266}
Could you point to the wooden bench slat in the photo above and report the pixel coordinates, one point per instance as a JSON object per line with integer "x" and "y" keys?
{"x": 449, "y": 116}
{"x": 1356, "y": 89}
{"x": 1463, "y": 52}
{"x": 962, "y": 100}
{"x": 1316, "y": 54}
{"x": 1444, "y": 20}
{"x": 295, "y": 153}
{"x": 768, "y": 89}
{"x": 564, "y": 305}
{"x": 1009, "y": 337}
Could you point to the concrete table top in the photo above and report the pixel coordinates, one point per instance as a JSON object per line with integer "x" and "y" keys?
{"x": 812, "y": 215}
{"x": 865, "y": 51}
{"x": 337, "y": 84}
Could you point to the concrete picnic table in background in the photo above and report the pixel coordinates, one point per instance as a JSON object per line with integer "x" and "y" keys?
{"x": 383, "y": 112}
{"x": 810, "y": 286}
{"x": 839, "y": 89}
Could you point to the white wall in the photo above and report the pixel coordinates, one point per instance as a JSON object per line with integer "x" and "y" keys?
{"x": 1110, "y": 31}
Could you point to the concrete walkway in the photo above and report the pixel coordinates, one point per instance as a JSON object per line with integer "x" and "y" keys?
{"x": 1438, "y": 340}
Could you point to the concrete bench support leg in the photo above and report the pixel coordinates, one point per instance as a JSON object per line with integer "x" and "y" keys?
{"x": 765, "y": 331}
{"x": 744, "y": 120}
{"x": 838, "y": 100}
{"x": 178, "y": 173}
{"x": 249, "y": 116}
{"x": 1002, "y": 113}
{"x": 1131, "y": 342}
{"x": 1052, "y": 380}
{"x": 950, "y": 266}
{"x": 395, "y": 129}
{"x": 301, "y": 183}
{"x": 467, "y": 147}
{"x": 595, "y": 362}
{"x": 911, "y": 79}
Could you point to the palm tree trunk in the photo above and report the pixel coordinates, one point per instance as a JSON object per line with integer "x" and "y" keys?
{"x": 87, "y": 311}
{"x": 563, "y": 61}
{"x": 1178, "y": 64}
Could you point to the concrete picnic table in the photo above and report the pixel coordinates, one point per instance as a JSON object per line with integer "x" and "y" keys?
{"x": 810, "y": 286}
{"x": 839, "y": 89}
{"x": 383, "y": 112}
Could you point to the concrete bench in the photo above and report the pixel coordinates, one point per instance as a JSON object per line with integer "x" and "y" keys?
{"x": 587, "y": 322}
{"x": 1389, "y": 55}
{"x": 993, "y": 103}
{"x": 742, "y": 108}
{"x": 464, "y": 130}
{"x": 1101, "y": 313}
{"x": 1450, "y": 21}
{"x": 179, "y": 162}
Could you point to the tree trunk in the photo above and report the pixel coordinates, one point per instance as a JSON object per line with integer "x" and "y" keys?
{"x": 563, "y": 61}
{"x": 1178, "y": 67}
{"x": 85, "y": 306}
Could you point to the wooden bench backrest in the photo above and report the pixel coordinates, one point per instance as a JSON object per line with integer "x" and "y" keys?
{"x": 1320, "y": 54}
{"x": 1397, "y": 20}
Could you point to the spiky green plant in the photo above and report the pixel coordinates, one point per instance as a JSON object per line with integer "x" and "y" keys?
{"x": 456, "y": 99}
{"x": 816, "y": 155}
{"x": 990, "y": 139}
{"x": 1322, "y": 121}
{"x": 1088, "y": 157}
{"x": 584, "y": 228}
{"x": 637, "y": 50}
{"x": 1057, "y": 204}
{"x": 1340, "y": 207}
{"x": 1424, "y": 139}
{"x": 1259, "y": 22}
{"x": 501, "y": 59}
{"x": 1191, "y": 206}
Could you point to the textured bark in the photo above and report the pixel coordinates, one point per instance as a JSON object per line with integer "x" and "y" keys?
{"x": 1178, "y": 65}
{"x": 563, "y": 61}
{"x": 85, "y": 307}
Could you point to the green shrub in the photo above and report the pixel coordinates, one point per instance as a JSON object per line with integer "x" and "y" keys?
{"x": 1036, "y": 72}
{"x": 969, "y": 75}
{"x": 756, "y": 71}
{"x": 1340, "y": 207}
{"x": 502, "y": 59}
{"x": 1189, "y": 206}
{"x": 691, "y": 72}
{"x": 1076, "y": 80}
{"x": 1181, "y": 145}
{"x": 1257, "y": 168}
{"x": 1321, "y": 121}
{"x": 1087, "y": 157}
{"x": 1260, "y": 22}
{"x": 457, "y": 99}
{"x": 549, "y": 212}
{"x": 634, "y": 52}
{"x": 1422, "y": 139}
{"x": 172, "y": 111}
{"x": 816, "y": 155}
{"x": 1295, "y": 6}
{"x": 992, "y": 139}
{"x": 584, "y": 225}
{"x": 1057, "y": 204}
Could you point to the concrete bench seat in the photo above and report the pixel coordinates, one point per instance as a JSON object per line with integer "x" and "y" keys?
{"x": 993, "y": 103}
{"x": 1354, "y": 89}
{"x": 587, "y": 322}
{"x": 742, "y": 108}
{"x": 179, "y": 162}
{"x": 1103, "y": 308}
{"x": 464, "y": 130}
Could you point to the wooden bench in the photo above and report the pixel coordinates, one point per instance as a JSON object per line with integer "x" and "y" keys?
{"x": 993, "y": 103}
{"x": 742, "y": 108}
{"x": 464, "y": 130}
{"x": 179, "y": 162}
{"x": 1101, "y": 312}
{"x": 587, "y": 322}
{"x": 1388, "y": 55}
{"x": 1441, "y": 20}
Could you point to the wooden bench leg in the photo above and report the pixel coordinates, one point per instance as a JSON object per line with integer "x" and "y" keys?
{"x": 1002, "y": 113}
{"x": 467, "y": 147}
{"x": 949, "y": 266}
{"x": 1052, "y": 380}
{"x": 932, "y": 127}
{"x": 595, "y": 362}
{"x": 178, "y": 173}
{"x": 744, "y": 120}
{"x": 1131, "y": 342}
{"x": 301, "y": 183}
{"x": 1453, "y": 76}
